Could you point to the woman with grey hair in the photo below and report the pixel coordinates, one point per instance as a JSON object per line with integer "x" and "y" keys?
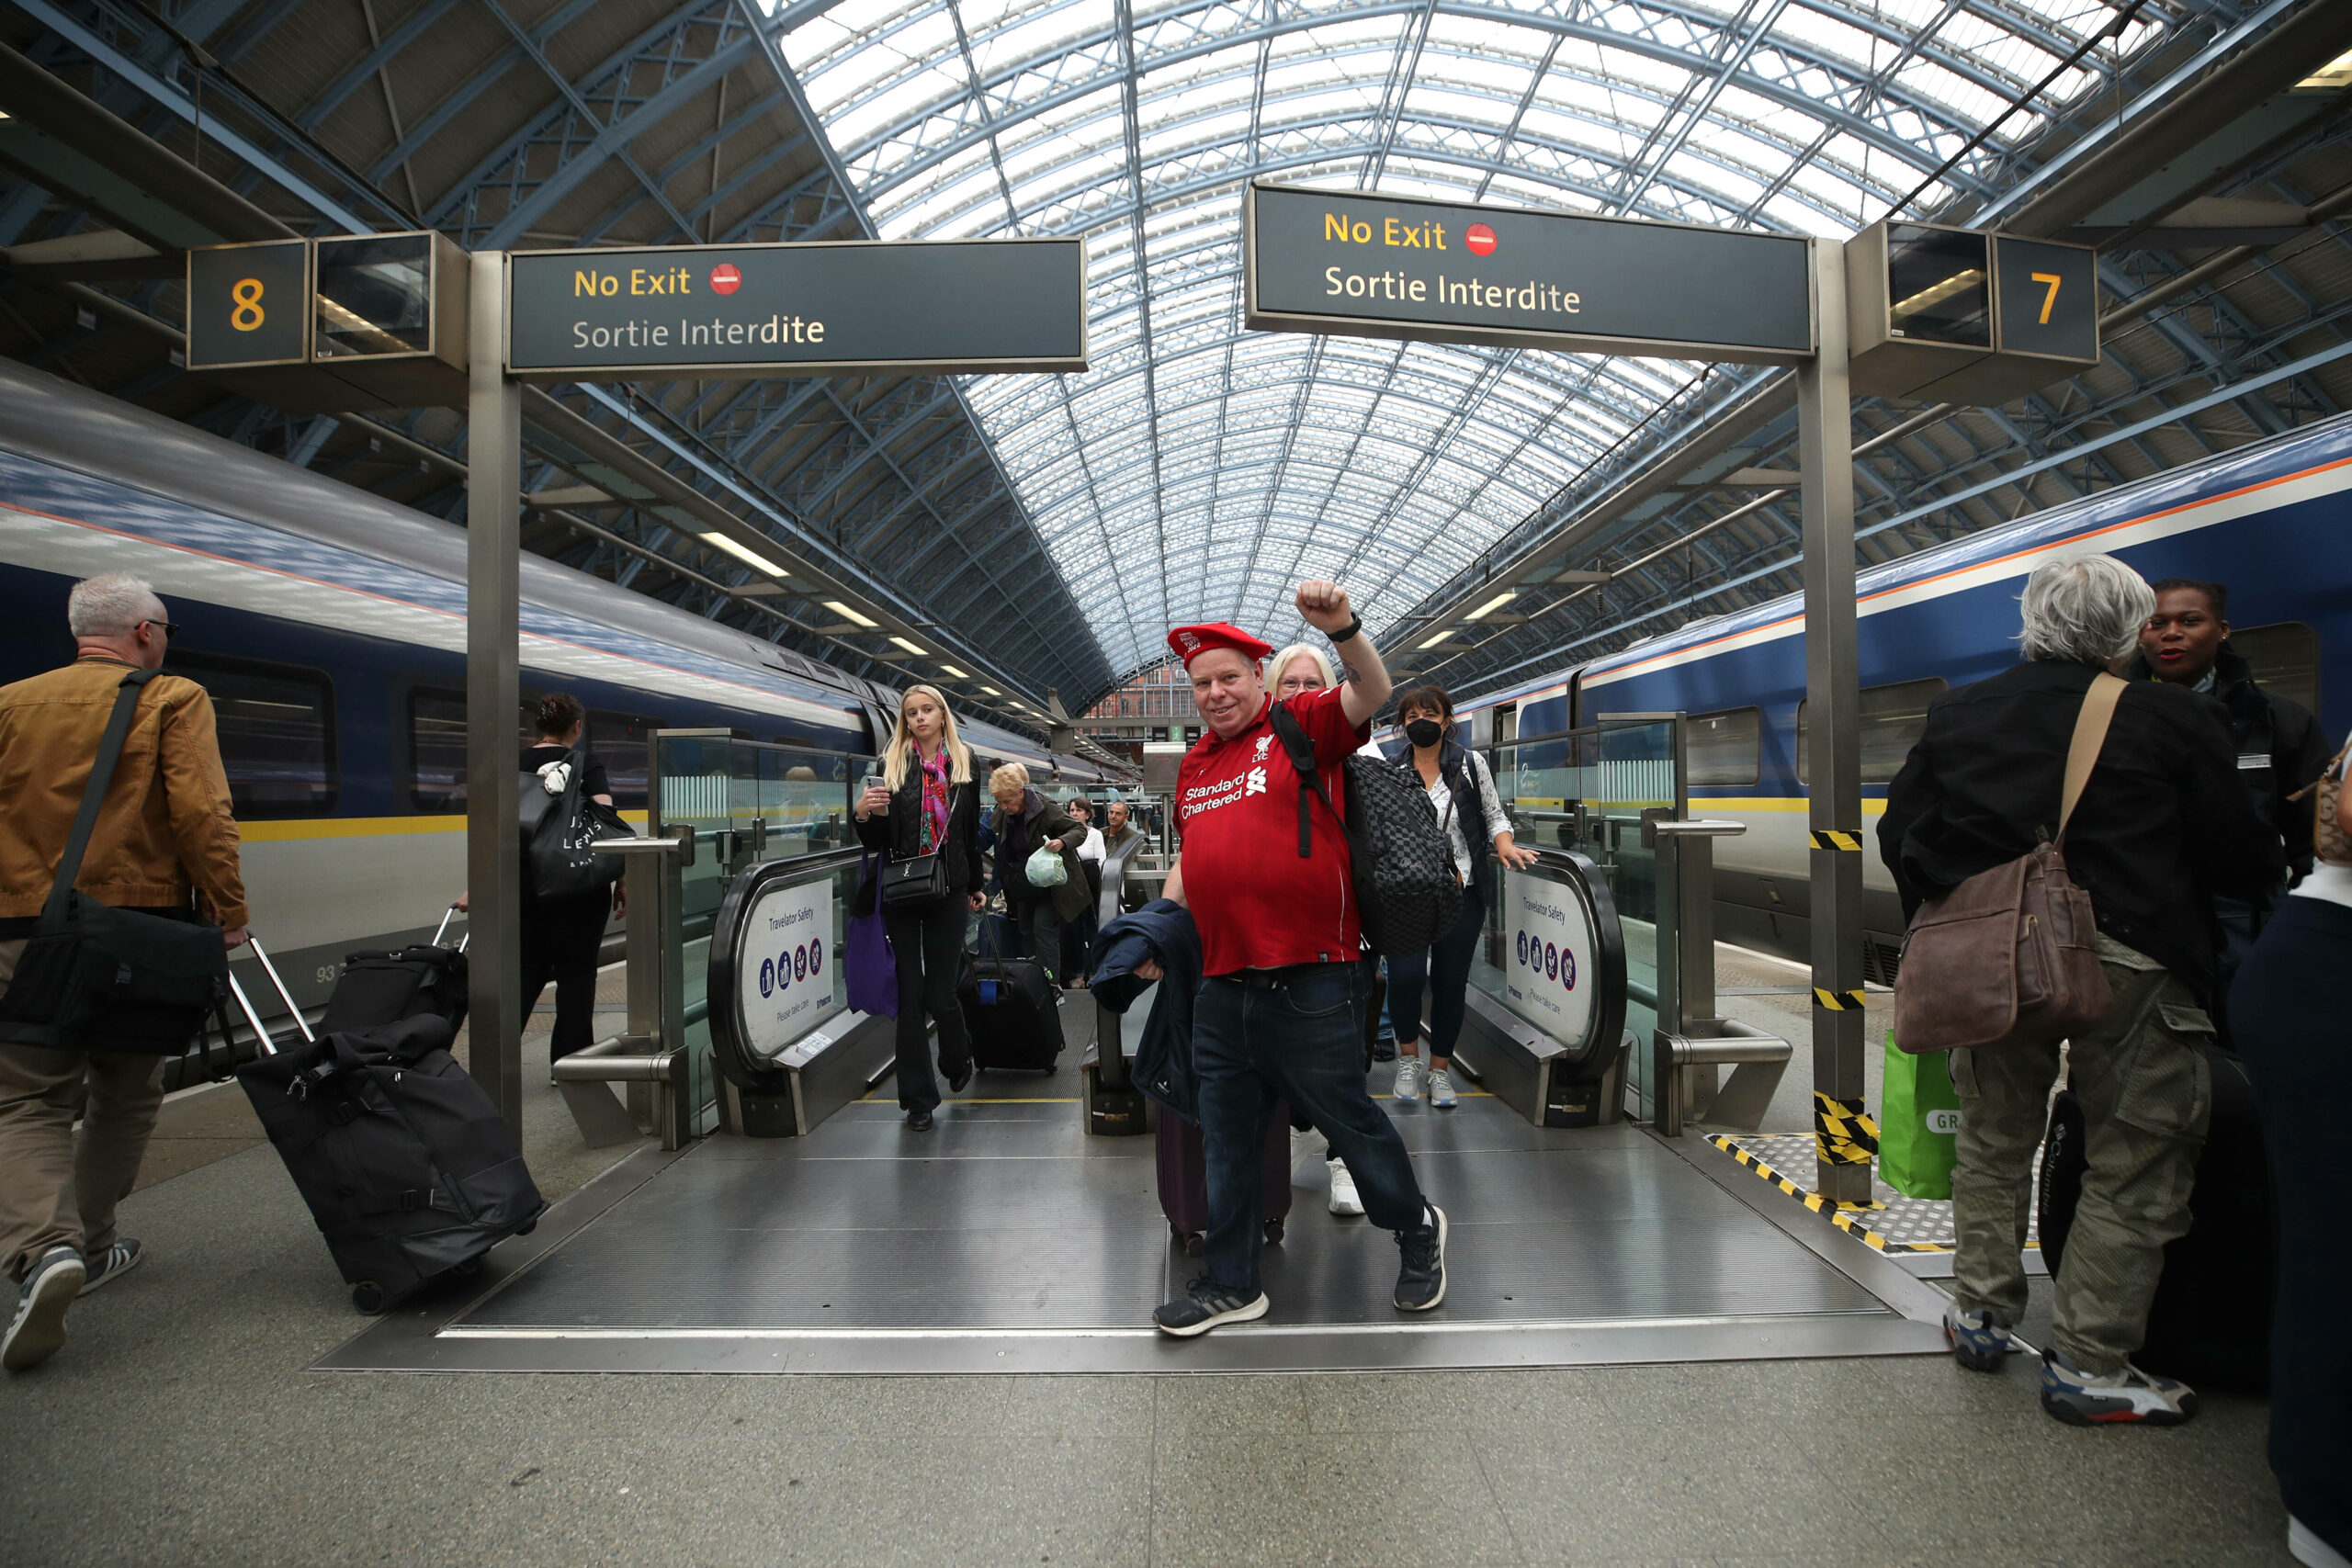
{"x": 2162, "y": 825}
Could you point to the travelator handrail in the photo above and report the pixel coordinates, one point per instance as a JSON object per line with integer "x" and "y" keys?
{"x": 1692, "y": 1039}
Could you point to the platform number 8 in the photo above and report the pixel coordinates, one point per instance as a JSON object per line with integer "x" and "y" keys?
{"x": 247, "y": 316}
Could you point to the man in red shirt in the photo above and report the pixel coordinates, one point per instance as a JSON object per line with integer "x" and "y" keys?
{"x": 1280, "y": 1014}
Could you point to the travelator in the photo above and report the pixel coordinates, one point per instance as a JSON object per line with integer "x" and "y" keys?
{"x": 1595, "y": 981}
{"x": 789, "y": 1221}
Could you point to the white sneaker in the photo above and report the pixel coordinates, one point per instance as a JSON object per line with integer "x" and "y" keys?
{"x": 1408, "y": 1078}
{"x": 1307, "y": 1152}
{"x": 1343, "y": 1190}
{"x": 1441, "y": 1088}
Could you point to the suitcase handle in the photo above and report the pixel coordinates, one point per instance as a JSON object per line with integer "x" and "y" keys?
{"x": 283, "y": 993}
{"x": 443, "y": 929}
{"x": 268, "y": 1047}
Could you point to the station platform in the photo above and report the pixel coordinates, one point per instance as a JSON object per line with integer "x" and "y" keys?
{"x": 1008, "y": 1240}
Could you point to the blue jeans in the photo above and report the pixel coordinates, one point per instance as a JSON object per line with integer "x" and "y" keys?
{"x": 1303, "y": 1042}
{"x": 1445, "y": 967}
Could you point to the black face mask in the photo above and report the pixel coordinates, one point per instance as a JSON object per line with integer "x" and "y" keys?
{"x": 1425, "y": 732}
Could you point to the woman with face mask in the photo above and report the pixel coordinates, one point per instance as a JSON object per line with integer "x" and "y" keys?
{"x": 1468, "y": 813}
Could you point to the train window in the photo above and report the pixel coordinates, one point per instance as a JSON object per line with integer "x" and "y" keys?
{"x": 436, "y": 749}
{"x": 1725, "y": 748}
{"x": 623, "y": 745}
{"x": 1892, "y": 717}
{"x": 276, "y": 724}
{"x": 2285, "y": 659}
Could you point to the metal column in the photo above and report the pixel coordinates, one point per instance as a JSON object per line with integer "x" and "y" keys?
{"x": 1833, "y": 734}
{"x": 493, "y": 577}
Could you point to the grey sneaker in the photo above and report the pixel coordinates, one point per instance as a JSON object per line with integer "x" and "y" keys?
{"x": 1442, "y": 1096}
{"x": 1344, "y": 1200}
{"x": 1408, "y": 1078}
{"x": 1204, "y": 1306}
{"x": 2088, "y": 1399}
{"x": 38, "y": 1328}
{"x": 112, "y": 1264}
{"x": 1420, "y": 1281}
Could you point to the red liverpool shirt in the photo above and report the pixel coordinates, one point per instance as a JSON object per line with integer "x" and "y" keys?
{"x": 1259, "y": 906}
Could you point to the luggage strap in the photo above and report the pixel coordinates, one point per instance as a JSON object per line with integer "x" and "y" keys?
{"x": 94, "y": 795}
{"x": 2090, "y": 735}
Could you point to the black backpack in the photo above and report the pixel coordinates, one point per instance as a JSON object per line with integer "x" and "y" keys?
{"x": 1407, "y": 894}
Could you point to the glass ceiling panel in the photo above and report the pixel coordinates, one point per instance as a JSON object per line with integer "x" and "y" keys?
{"x": 1198, "y": 471}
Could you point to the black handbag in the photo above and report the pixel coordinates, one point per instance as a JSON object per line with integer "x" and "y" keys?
{"x": 557, "y": 854}
{"x": 96, "y": 978}
{"x": 920, "y": 879}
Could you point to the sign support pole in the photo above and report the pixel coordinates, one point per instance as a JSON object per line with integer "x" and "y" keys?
{"x": 1833, "y": 736}
{"x": 493, "y": 617}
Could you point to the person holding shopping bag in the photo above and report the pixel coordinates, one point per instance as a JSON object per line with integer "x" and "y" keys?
{"x": 923, "y": 815}
{"x": 1040, "y": 903}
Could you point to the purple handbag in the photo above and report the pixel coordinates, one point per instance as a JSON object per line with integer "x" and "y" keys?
{"x": 871, "y": 968}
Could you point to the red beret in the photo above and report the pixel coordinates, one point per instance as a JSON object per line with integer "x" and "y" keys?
{"x": 1189, "y": 640}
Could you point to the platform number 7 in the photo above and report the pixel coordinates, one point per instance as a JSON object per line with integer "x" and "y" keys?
{"x": 2050, "y": 299}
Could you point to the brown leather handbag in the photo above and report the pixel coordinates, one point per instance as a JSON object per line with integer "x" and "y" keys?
{"x": 2010, "y": 956}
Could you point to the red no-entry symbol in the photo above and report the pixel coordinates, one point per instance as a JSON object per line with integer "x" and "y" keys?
{"x": 1480, "y": 238}
{"x": 725, "y": 280}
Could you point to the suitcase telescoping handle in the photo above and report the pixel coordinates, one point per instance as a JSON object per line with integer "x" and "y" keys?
{"x": 443, "y": 929}
{"x": 267, "y": 1046}
{"x": 283, "y": 993}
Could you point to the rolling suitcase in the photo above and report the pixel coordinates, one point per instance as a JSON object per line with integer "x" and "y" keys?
{"x": 380, "y": 986}
{"x": 2210, "y": 1323}
{"x": 405, "y": 1163}
{"x": 1011, "y": 1009}
{"x": 1185, "y": 1175}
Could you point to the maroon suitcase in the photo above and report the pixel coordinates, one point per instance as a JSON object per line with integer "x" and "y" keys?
{"x": 1185, "y": 1175}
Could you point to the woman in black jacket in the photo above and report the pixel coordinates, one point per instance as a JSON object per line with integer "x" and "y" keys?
{"x": 927, "y": 803}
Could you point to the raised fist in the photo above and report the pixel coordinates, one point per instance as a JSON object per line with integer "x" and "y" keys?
{"x": 1325, "y": 605}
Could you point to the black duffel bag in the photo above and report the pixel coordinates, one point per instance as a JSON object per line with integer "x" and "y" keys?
{"x": 557, "y": 832}
{"x": 93, "y": 978}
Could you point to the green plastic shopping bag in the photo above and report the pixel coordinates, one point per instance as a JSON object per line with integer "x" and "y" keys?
{"x": 1918, "y": 1123}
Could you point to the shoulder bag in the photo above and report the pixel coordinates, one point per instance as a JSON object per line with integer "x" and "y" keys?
{"x": 557, "y": 853}
{"x": 2328, "y": 841}
{"x": 2010, "y": 956}
{"x": 96, "y": 978}
{"x": 921, "y": 878}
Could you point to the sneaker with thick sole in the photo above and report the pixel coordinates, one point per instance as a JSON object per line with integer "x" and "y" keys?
{"x": 112, "y": 1264}
{"x": 1408, "y": 1078}
{"x": 39, "y": 1328}
{"x": 1420, "y": 1281}
{"x": 2305, "y": 1546}
{"x": 1441, "y": 1096}
{"x": 1206, "y": 1304}
{"x": 1980, "y": 1341}
{"x": 2085, "y": 1399}
{"x": 1343, "y": 1190}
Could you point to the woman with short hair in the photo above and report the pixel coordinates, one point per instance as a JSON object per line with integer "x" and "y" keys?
{"x": 564, "y": 936}
{"x": 1026, "y": 821}
{"x": 1471, "y": 816}
{"x": 927, "y": 804}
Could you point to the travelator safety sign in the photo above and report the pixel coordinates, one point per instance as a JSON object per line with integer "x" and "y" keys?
{"x": 786, "y": 978}
{"x": 1548, "y": 974}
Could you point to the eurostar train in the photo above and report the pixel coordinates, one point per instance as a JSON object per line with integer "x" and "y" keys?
{"x": 329, "y": 626}
{"x": 2272, "y": 520}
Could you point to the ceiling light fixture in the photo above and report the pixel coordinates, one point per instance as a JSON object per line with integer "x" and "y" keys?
{"x": 751, "y": 556}
{"x": 845, "y": 612}
{"x": 956, "y": 672}
{"x": 1491, "y": 605}
{"x": 1435, "y": 640}
{"x": 910, "y": 647}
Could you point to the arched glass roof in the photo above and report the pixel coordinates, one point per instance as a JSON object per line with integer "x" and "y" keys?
{"x": 1198, "y": 471}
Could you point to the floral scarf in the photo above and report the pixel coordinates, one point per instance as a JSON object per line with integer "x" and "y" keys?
{"x": 934, "y": 800}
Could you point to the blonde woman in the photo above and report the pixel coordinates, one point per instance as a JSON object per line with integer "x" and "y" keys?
{"x": 1297, "y": 668}
{"x": 1026, "y": 821}
{"x": 927, "y": 803}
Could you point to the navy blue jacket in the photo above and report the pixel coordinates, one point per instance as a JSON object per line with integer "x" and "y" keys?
{"x": 1162, "y": 931}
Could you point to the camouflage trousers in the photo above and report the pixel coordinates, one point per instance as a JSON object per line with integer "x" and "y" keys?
{"x": 2141, "y": 1076}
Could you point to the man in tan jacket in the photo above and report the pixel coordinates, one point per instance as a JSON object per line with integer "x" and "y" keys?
{"x": 165, "y": 839}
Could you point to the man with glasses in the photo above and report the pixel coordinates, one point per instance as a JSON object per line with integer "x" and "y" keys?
{"x": 165, "y": 843}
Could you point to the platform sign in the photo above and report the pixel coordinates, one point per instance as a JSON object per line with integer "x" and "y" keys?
{"x": 784, "y": 977}
{"x": 1548, "y": 971}
{"x": 249, "y": 305}
{"x": 857, "y": 307}
{"x": 2047, "y": 298}
{"x": 1371, "y": 265}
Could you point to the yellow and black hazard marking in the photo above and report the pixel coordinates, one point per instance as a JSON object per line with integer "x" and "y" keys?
{"x": 1844, "y": 1131}
{"x": 1852, "y": 1218}
{"x": 1838, "y": 1001}
{"x": 1837, "y": 839}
